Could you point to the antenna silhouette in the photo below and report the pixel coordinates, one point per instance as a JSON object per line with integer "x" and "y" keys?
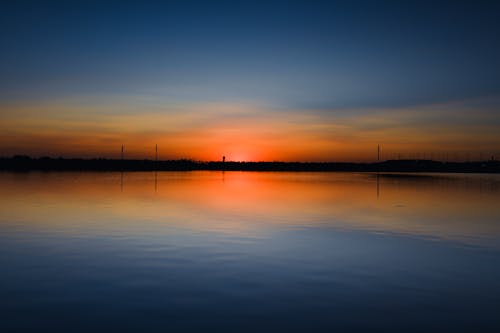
{"x": 122, "y": 153}
{"x": 378, "y": 153}
{"x": 156, "y": 153}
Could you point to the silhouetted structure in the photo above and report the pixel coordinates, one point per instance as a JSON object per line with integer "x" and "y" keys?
{"x": 25, "y": 163}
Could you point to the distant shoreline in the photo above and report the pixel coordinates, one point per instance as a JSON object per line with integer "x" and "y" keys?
{"x": 25, "y": 163}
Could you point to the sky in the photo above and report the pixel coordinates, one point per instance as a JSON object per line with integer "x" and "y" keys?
{"x": 253, "y": 80}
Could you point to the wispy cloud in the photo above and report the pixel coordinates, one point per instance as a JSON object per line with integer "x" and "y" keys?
{"x": 243, "y": 130}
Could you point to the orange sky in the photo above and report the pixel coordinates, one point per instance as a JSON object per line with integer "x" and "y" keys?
{"x": 242, "y": 132}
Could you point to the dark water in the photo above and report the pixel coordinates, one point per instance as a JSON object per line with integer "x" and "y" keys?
{"x": 256, "y": 252}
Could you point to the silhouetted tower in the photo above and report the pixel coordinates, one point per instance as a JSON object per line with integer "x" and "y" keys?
{"x": 378, "y": 153}
{"x": 223, "y": 159}
{"x": 122, "y": 153}
{"x": 156, "y": 153}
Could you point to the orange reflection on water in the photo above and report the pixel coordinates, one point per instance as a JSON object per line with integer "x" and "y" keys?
{"x": 458, "y": 207}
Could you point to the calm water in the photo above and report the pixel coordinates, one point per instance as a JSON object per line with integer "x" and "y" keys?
{"x": 257, "y": 252}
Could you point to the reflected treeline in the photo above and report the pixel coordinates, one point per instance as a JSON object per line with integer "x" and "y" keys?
{"x": 480, "y": 184}
{"x": 25, "y": 163}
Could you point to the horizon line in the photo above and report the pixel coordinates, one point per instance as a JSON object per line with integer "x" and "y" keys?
{"x": 22, "y": 156}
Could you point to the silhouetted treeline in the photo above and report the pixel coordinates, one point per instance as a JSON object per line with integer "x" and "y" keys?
{"x": 25, "y": 163}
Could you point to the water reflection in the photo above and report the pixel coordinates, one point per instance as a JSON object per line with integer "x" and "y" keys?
{"x": 458, "y": 207}
{"x": 247, "y": 252}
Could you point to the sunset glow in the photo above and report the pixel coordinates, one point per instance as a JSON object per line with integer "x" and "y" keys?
{"x": 283, "y": 89}
{"x": 270, "y": 166}
{"x": 244, "y": 132}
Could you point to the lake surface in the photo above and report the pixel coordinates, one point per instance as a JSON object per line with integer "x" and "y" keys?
{"x": 249, "y": 251}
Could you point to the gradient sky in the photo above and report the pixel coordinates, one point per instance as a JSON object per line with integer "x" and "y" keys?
{"x": 255, "y": 80}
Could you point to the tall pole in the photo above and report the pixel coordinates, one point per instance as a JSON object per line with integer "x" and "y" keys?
{"x": 378, "y": 153}
{"x": 156, "y": 153}
{"x": 122, "y": 153}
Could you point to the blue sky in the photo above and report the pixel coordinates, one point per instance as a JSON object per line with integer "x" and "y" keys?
{"x": 297, "y": 54}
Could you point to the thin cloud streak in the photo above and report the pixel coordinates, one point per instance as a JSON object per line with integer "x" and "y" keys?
{"x": 242, "y": 131}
